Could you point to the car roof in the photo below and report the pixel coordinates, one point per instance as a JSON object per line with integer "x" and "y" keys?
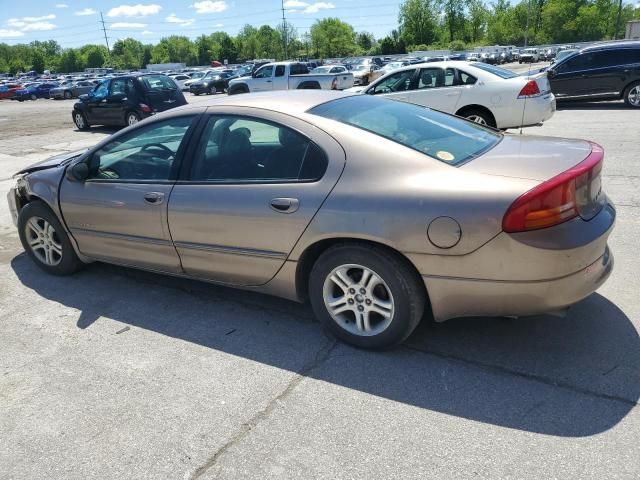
{"x": 611, "y": 46}
{"x": 285, "y": 101}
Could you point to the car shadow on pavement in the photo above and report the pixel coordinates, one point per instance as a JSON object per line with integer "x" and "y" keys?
{"x": 569, "y": 377}
{"x": 579, "y": 105}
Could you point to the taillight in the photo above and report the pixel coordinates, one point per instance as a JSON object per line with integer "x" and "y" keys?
{"x": 563, "y": 197}
{"x": 145, "y": 108}
{"x": 529, "y": 90}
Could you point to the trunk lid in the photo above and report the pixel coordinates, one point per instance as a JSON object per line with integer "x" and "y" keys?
{"x": 530, "y": 157}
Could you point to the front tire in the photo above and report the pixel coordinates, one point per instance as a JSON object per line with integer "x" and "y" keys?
{"x": 366, "y": 296}
{"x": 632, "y": 95}
{"x": 67, "y": 95}
{"x": 80, "y": 120}
{"x": 45, "y": 240}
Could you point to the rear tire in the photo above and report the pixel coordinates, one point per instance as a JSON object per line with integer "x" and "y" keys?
{"x": 632, "y": 95}
{"x": 33, "y": 97}
{"x": 44, "y": 239}
{"x": 131, "y": 118}
{"x": 478, "y": 116}
{"x": 366, "y": 296}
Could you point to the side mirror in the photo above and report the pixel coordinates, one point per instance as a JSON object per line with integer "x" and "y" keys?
{"x": 551, "y": 73}
{"x": 78, "y": 172}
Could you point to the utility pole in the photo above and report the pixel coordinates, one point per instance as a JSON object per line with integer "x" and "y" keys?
{"x": 284, "y": 33}
{"x": 526, "y": 28}
{"x": 104, "y": 29}
{"x": 615, "y": 34}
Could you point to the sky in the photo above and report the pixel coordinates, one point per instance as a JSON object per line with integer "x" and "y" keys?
{"x": 74, "y": 23}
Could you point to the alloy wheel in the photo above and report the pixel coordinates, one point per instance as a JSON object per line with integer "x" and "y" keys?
{"x": 43, "y": 241}
{"x": 477, "y": 119}
{"x": 634, "y": 96}
{"x": 79, "y": 119}
{"x": 358, "y": 300}
{"x": 132, "y": 119}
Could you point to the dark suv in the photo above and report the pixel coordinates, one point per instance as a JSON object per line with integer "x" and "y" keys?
{"x": 126, "y": 100}
{"x": 600, "y": 72}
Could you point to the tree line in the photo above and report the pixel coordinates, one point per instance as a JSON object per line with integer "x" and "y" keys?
{"x": 422, "y": 25}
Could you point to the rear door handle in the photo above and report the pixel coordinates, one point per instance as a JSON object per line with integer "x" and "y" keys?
{"x": 154, "y": 198}
{"x": 284, "y": 205}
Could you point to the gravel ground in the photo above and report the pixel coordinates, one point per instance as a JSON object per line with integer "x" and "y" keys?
{"x": 116, "y": 373}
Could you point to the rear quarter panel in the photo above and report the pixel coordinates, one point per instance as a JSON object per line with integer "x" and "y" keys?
{"x": 390, "y": 194}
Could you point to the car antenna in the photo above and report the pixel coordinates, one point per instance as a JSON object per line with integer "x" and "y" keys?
{"x": 524, "y": 107}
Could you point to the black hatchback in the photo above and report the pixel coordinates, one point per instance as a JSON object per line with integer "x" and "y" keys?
{"x": 599, "y": 72}
{"x": 125, "y": 100}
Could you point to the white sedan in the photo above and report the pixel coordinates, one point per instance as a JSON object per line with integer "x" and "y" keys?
{"x": 483, "y": 93}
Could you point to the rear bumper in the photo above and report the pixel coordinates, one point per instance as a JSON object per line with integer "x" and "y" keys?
{"x": 521, "y": 274}
{"x": 458, "y": 297}
{"x": 525, "y": 112}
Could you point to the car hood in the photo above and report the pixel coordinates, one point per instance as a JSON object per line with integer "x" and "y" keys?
{"x": 355, "y": 89}
{"x": 530, "y": 157}
{"x": 52, "y": 162}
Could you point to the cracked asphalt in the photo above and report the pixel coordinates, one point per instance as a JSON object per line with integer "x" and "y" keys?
{"x": 116, "y": 373}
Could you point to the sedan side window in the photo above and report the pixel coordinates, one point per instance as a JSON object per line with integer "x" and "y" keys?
{"x": 397, "y": 82}
{"x": 144, "y": 154}
{"x": 436, "y": 78}
{"x": 466, "y": 79}
{"x": 247, "y": 150}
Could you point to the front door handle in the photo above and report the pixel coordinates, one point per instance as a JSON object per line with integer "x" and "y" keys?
{"x": 154, "y": 198}
{"x": 284, "y": 205}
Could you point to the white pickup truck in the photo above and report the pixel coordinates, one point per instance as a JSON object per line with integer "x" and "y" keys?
{"x": 289, "y": 76}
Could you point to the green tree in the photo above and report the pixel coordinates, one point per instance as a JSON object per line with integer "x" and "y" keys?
{"x": 332, "y": 37}
{"x": 477, "y": 24}
{"x": 365, "y": 40}
{"x": 37, "y": 61}
{"x": 96, "y": 56}
{"x": 418, "y": 21}
{"x": 70, "y": 61}
{"x": 127, "y": 53}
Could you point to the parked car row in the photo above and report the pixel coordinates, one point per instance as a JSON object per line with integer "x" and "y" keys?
{"x": 482, "y": 93}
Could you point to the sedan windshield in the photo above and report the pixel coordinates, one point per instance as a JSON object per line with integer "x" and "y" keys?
{"x": 438, "y": 135}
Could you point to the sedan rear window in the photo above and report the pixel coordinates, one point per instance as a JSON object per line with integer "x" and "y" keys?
{"x": 498, "y": 71}
{"x": 158, "y": 82}
{"x": 438, "y": 135}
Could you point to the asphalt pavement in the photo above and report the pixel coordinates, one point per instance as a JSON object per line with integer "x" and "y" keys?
{"x": 115, "y": 373}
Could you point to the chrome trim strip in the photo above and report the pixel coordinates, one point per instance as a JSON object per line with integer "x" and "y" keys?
{"x": 232, "y": 250}
{"x": 121, "y": 236}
